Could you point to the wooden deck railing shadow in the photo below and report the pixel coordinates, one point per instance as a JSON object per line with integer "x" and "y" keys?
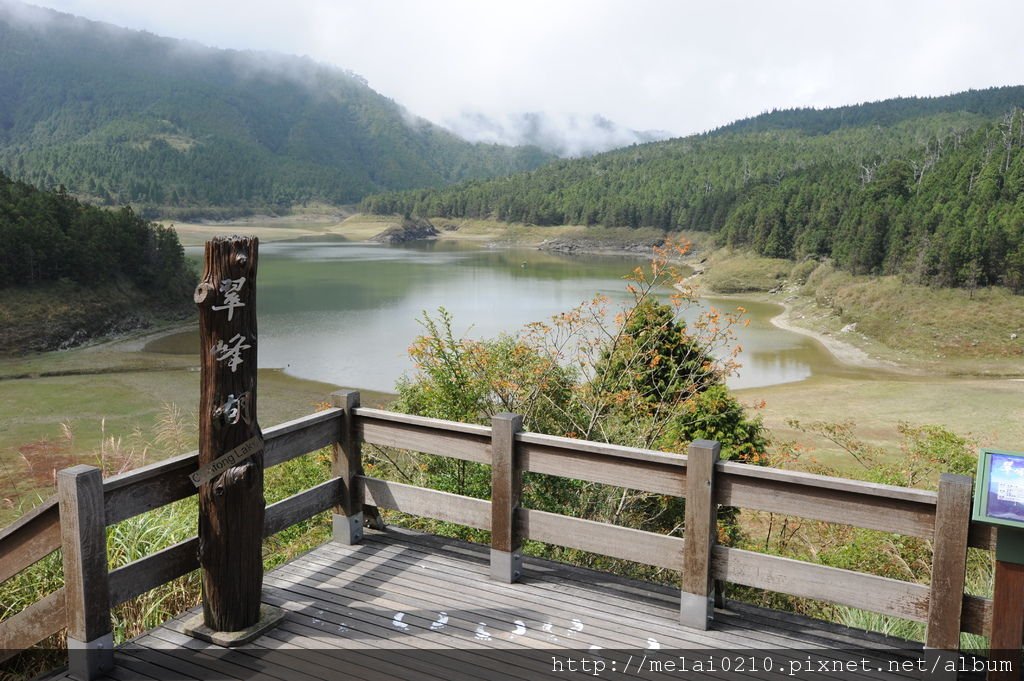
{"x": 706, "y": 483}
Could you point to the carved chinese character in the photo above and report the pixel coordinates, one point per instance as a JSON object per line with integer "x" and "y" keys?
{"x": 231, "y": 351}
{"x": 231, "y": 288}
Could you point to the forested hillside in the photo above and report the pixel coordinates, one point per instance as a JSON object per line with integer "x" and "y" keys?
{"x": 47, "y": 236}
{"x": 121, "y": 116}
{"x": 932, "y": 188}
{"x": 70, "y": 271}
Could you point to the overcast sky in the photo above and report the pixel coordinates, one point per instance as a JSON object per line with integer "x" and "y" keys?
{"x": 672, "y": 65}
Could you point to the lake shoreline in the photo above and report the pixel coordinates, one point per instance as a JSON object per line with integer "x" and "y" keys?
{"x": 844, "y": 352}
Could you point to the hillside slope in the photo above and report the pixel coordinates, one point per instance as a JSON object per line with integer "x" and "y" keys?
{"x": 120, "y": 116}
{"x": 932, "y": 188}
{"x": 70, "y": 271}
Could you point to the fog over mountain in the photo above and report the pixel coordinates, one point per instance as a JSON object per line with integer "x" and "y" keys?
{"x": 567, "y": 135}
{"x": 122, "y": 116}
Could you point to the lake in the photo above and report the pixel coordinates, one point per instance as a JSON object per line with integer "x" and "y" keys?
{"x": 345, "y": 313}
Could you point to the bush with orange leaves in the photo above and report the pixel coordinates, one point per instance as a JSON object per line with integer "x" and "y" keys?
{"x": 638, "y": 376}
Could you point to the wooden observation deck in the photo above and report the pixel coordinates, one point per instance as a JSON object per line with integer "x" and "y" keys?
{"x": 396, "y": 604}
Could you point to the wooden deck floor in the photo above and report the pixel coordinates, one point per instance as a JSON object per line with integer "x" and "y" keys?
{"x": 416, "y": 606}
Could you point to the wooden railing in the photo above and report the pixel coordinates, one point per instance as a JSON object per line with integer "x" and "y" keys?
{"x": 942, "y": 517}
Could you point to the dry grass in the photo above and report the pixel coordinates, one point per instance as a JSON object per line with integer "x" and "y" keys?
{"x": 731, "y": 271}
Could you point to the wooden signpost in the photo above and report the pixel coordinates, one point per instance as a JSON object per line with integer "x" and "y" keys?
{"x": 230, "y": 475}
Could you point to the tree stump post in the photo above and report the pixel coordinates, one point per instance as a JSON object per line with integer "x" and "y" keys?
{"x": 230, "y": 475}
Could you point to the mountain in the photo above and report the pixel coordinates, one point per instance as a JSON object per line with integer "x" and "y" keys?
{"x": 932, "y": 188}
{"x": 568, "y": 135}
{"x": 120, "y": 116}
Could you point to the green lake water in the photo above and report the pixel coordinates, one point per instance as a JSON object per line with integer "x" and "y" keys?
{"x": 345, "y": 313}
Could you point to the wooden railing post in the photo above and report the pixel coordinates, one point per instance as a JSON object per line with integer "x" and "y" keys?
{"x": 949, "y": 572}
{"x": 506, "y": 488}
{"x": 696, "y": 602}
{"x": 347, "y": 463}
{"x": 86, "y": 585}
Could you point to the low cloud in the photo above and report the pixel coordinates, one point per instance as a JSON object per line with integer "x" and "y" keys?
{"x": 567, "y": 135}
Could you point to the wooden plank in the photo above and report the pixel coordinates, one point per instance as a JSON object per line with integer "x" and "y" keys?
{"x": 835, "y": 585}
{"x": 701, "y": 531}
{"x": 366, "y": 415}
{"x": 547, "y": 586}
{"x": 506, "y": 482}
{"x": 649, "y": 476}
{"x": 149, "y": 487}
{"x": 346, "y": 455}
{"x": 84, "y": 550}
{"x": 158, "y": 568}
{"x": 553, "y": 588}
{"x": 294, "y": 438}
{"x": 847, "y": 507}
{"x": 568, "y": 444}
{"x": 43, "y": 618}
{"x": 301, "y": 506}
{"x": 734, "y": 470}
{"x": 429, "y": 440}
{"x": 976, "y": 616}
{"x": 982, "y": 536}
{"x": 1007, "y": 630}
{"x": 30, "y": 538}
{"x": 626, "y": 543}
{"x": 949, "y": 562}
{"x": 428, "y": 503}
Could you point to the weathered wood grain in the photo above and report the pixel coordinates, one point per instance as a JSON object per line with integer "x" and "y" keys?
{"x": 156, "y": 569}
{"x": 346, "y": 455}
{"x": 949, "y": 562}
{"x": 30, "y": 538}
{"x": 369, "y": 414}
{"x": 1007, "y": 630}
{"x": 456, "y": 444}
{"x": 428, "y": 503}
{"x": 854, "y": 506}
{"x": 976, "y": 617}
{"x": 834, "y": 585}
{"x": 302, "y": 506}
{"x": 158, "y": 484}
{"x": 84, "y": 552}
{"x": 43, "y": 618}
{"x": 658, "y": 476}
{"x": 626, "y": 543}
{"x": 231, "y": 506}
{"x": 294, "y": 438}
{"x": 701, "y": 531}
{"x": 506, "y": 482}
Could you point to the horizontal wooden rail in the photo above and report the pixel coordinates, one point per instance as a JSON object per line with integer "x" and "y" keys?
{"x": 977, "y": 615}
{"x": 301, "y": 506}
{"x": 855, "y": 506}
{"x": 820, "y": 582}
{"x": 649, "y": 548}
{"x": 147, "y": 573}
{"x": 429, "y": 436}
{"x": 42, "y": 619}
{"x": 156, "y": 569}
{"x": 428, "y": 503}
{"x": 29, "y": 539}
{"x": 558, "y": 456}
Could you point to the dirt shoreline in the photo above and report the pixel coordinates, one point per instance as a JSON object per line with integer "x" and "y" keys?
{"x": 843, "y": 351}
